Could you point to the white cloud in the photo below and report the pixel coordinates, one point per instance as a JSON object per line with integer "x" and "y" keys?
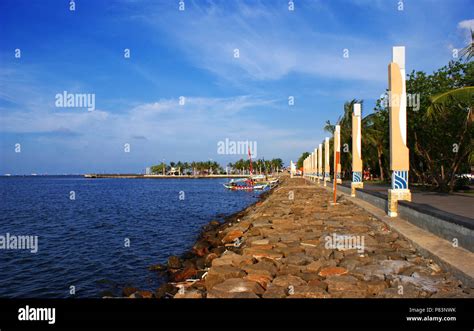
{"x": 467, "y": 26}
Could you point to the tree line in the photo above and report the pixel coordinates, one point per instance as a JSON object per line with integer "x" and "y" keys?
{"x": 439, "y": 131}
{"x": 241, "y": 166}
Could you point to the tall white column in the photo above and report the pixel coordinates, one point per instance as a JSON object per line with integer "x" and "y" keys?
{"x": 356, "y": 150}
{"x": 399, "y": 153}
{"x": 320, "y": 162}
{"x": 327, "y": 167}
{"x": 337, "y": 153}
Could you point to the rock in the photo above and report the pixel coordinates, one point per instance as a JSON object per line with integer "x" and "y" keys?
{"x": 332, "y": 271}
{"x": 219, "y": 274}
{"x": 381, "y": 270}
{"x": 341, "y": 283}
{"x": 307, "y": 291}
{"x": 146, "y": 294}
{"x": 214, "y": 223}
{"x": 262, "y": 279}
{"x": 260, "y": 242}
{"x": 209, "y": 258}
{"x": 231, "y": 236}
{"x": 298, "y": 259}
{"x": 231, "y": 258}
{"x": 350, "y": 263}
{"x": 201, "y": 248}
{"x": 166, "y": 290}
{"x": 127, "y": 291}
{"x": 157, "y": 267}
{"x": 262, "y": 266}
{"x": 318, "y": 283}
{"x": 186, "y": 273}
{"x": 290, "y": 269}
{"x": 233, "y": 285}
{"x": 135, "y": 295}
{"x": 216, "y": 294}
{"x": 424, "y": 283}
{"x": 288, "y": 280}
{"x": 375, "y": 287}
{"x": 259, "y": 253}
{"x": 274, "y": 292}
{"x": 174, "y": 262}
{"x": 192, "y": 294}
{"x": 395, "y": 266}
{"x": 314, "y": 266}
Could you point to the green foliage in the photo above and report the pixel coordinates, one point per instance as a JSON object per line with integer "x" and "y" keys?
{"x": 303, "y": 156}
{"x": 439, "y": 133}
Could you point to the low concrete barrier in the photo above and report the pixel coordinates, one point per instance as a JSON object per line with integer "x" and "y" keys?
{"x": 443, "y": 224}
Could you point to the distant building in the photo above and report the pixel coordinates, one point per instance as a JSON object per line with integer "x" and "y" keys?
{"x": 148, "y": 171}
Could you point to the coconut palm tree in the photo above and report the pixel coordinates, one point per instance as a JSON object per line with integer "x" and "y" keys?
{"x": 468, "y": 51}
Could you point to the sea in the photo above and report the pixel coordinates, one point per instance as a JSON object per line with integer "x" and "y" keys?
{"x": 96, "y": 236}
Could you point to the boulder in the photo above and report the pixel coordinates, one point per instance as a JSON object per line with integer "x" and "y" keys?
{"x": 332, "y": 271}
{"x": 129, "y": 290}
{"x": 184, "y": 274}
{"x": 174, "y": 262}
{"x": 308, "y": 291}
{"x": 219, "y": 274}
{"x": 288, "y": 280}
{"x": 233, "y": 285}
{"x": 231, "y": 236}
{"x": 275, "y": 292}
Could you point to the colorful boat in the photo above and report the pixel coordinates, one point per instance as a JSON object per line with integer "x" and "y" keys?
{"x": 246, "y": 186}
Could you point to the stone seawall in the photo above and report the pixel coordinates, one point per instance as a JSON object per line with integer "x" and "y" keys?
{"x": 294, "y": 244}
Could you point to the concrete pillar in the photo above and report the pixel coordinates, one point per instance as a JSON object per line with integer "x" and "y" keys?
{"x": 320, "y": 162}
{"x": 399, "y": 153}
{"x": 356, "y": 150}
{"x": 316, "y": 165}
{"x": 327, "y": 167}
{"x": 337, "y": 154}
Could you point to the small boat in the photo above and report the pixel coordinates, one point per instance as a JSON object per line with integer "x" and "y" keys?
{"x": 245, "y": 187}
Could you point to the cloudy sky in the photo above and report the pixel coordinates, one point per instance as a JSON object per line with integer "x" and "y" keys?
{"x": 191, "y": 54}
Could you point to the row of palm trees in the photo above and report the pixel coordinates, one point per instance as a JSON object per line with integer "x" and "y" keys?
{"x": 260, "y": 166}
{"x": 440, "y": 134}
{"x": 212, "y": 167}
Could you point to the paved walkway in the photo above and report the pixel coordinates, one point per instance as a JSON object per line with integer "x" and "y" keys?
{"x": 458, "y": 204}
{"x": 292, "y": 245}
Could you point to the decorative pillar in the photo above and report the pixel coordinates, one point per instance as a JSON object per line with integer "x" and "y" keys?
{"x": 320, "y": 162}
{"x": 315, "y": 165}
{"x": 312, "y": 165}
{"x": 399, "y": 153}
{"x": 327, "y": 168}
{"x": 337, "y": 154}
{"x": 356, "y": 150}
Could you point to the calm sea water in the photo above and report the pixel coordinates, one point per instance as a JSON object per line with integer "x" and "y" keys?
{"x": 81, "y": 242}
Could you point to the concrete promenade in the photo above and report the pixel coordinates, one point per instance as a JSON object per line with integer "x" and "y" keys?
{"x": 295, "y": 244}
{"x": 457, "y": 204}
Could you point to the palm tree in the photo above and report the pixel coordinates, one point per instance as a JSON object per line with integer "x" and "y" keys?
{"x": 468, "y": 51}
{"x": 375, "y": 131}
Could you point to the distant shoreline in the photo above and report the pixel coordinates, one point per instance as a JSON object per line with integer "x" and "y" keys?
{"x": 162, "y": 176}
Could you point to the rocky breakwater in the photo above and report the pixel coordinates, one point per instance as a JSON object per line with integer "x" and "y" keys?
{"x": 294, "y": 244}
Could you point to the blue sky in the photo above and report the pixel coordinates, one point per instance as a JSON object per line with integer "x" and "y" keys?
{"x": 190, "y": 53}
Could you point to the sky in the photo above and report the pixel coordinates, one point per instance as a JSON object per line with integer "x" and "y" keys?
{"x": 182, "y": 90}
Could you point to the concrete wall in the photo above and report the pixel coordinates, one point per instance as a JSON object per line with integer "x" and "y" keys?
{"x": 442, "y": 224}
